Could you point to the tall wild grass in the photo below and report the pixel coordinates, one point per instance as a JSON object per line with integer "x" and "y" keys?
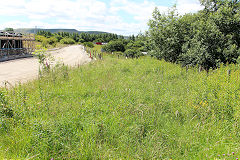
{"x": 123, "y": 109}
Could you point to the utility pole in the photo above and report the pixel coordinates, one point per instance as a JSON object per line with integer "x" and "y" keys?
{"x": 35, "y": 29}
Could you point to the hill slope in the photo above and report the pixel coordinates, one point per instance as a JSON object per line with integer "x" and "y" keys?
{"x": 33, "y": 30}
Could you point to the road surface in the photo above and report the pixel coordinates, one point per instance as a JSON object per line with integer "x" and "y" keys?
{"x": 23, "y": 70}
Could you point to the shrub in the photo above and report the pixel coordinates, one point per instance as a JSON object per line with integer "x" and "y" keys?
{"x": 46, "y": 41}
{"x": 9, "y": 30}
{"x": 116, "y": 45}
{"x": 52, "y": 40}
{"x": 40, "y": 38}
{"x": 88, "y": 44}
{"x": 207, "y": 38}
{"x": 166, "y": 35}
{"x": 81, "y": 40}
{"x": 133, "y": 53}
{"x": 67, "y": 41}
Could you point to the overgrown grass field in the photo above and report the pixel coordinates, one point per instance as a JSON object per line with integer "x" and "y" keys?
{"x": 123, "y": 109}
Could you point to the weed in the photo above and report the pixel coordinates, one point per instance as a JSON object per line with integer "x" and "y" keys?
{"x": 123, "y": 109}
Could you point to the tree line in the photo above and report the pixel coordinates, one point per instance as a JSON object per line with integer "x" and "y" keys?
{"x": 47, "y": 37}
{"x": 132, "y": 47}
{"x": 208, "y": 38}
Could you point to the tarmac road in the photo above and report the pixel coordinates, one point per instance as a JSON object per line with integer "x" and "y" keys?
{"x": 23, "y": 70}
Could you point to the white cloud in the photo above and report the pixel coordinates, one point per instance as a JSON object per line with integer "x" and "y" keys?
{"x": 187, "y": 6}
{"x": 86, "y": 14}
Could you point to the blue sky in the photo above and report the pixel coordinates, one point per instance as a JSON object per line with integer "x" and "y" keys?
{"x": 117, "y": 16}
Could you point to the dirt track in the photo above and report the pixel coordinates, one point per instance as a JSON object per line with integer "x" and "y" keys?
{"x": 22, "y": 70}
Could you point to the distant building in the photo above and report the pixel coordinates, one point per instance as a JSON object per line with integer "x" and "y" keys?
{"x": 98, "y": 43}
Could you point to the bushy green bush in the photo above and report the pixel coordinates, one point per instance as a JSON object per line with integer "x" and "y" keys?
{"x": 46, "y": 41}
{"x": 40, "y": 38}
{"x": 207, "y": 38}
{"x": 81, "y": 40}
{"x": 166, "y": 35}
{"x": 138, "y": 45}
{"x": 133, "y": 53}
{"x": 52, "y": 40}
{"x": 9, "y": 30}
{"x": 88, "y": 44}
{"x": 113, "y": 46}
{"x": 67, "y": 41}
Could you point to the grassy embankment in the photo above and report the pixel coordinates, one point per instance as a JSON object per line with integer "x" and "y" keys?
{"x": 117, "y": 108}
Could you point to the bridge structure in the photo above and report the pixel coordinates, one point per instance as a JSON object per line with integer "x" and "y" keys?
{"x": 16, "y": 45}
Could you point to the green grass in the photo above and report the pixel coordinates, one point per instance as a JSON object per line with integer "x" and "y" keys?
{"x": 123, "y": 109}
{"x": 97, "y": 48}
